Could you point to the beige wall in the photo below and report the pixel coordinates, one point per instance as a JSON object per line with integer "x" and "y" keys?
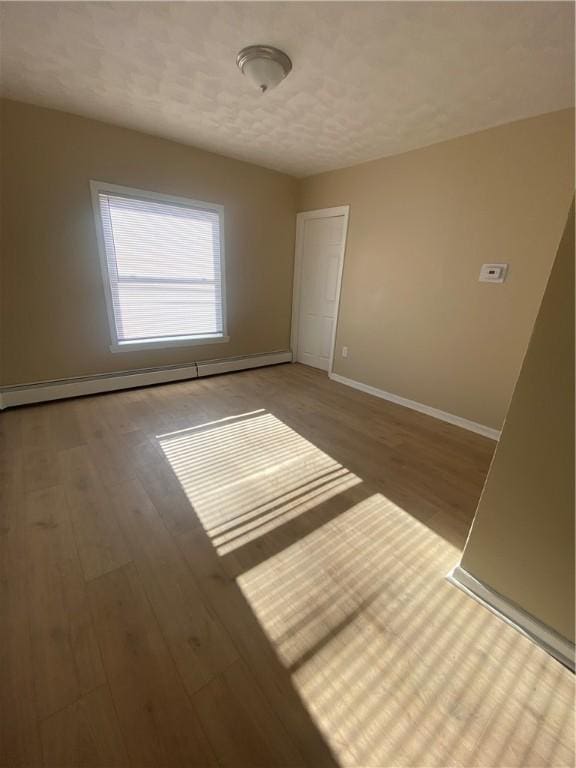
{"x": 413, "y": 315}
{"x": 522, "y": 539}
{"x": 54, "y": 317}
{"x": 415, "y": 319}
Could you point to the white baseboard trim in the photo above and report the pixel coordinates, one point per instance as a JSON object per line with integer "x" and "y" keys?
{"x": 40, "y": 392}
{"x": 458, "y": 421}
{"x": 535, "y": 630}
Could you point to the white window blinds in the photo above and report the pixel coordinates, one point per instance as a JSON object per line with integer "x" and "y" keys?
{"x": 164, "y": 267}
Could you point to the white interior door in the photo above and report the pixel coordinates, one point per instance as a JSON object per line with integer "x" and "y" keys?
{"x": 321, "y": 254}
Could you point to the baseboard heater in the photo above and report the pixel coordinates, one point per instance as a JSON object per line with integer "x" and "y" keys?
{"x": 39, "y": 392}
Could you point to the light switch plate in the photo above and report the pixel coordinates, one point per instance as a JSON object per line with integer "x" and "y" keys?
{"x": 493, "y": 273}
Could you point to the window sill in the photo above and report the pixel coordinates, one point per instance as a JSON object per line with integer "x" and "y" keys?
{"x": 190, "y": 341}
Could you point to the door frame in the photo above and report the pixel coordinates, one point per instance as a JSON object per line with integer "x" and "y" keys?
{"x": 301, "y": 218}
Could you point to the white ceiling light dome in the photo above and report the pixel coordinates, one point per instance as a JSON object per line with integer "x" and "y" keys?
{"x": 264, "y": 65}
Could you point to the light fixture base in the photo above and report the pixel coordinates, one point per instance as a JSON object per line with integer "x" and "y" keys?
{"x": 264, "y": 65}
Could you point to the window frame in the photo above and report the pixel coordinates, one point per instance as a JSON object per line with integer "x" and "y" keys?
{"x": 97, "y": 187}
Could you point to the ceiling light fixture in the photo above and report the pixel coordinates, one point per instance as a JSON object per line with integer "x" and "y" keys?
{"x": 264, "y": 65}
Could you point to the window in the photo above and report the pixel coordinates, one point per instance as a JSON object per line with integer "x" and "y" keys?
{"x": 162, "y": 260}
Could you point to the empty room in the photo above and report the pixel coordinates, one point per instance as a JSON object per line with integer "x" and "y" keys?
{"x": 287, "y": 384}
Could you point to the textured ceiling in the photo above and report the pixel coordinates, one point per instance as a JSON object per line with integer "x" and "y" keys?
{"x": 369, "y": 79}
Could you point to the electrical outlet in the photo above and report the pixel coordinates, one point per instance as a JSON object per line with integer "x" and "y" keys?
{"x": 344, "y": 351}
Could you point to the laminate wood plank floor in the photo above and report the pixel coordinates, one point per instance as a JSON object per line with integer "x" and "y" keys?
{"x": 248, "y": 571}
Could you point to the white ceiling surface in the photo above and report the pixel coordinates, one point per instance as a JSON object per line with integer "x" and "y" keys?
{"x": 369, "y": 79}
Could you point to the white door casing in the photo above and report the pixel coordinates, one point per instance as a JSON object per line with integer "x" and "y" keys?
{"x": 319, "y": 260}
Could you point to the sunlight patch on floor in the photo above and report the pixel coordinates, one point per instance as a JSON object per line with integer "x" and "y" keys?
{"x": 249, "y": 474}
{"x": 395, "y": 665}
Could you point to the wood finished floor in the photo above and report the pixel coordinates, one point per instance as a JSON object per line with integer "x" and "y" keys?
{"x": 248, "y": 570}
